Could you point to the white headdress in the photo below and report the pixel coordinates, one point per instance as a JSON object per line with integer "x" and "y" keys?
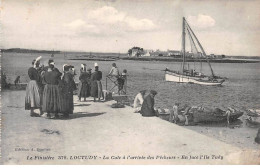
{"x": 37, "y": 60}
{"x": 96, "y": 64}
{"x": 51, "y": 61}
{"x": 83, "y": 66}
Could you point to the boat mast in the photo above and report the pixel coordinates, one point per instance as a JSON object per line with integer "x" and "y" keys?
{"x": 202, "y": 50}
{"x": 183, "y": 44}
{"x": 52, "y": 55}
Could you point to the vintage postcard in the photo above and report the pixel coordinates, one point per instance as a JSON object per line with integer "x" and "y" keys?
{"x": 143, "y": 82}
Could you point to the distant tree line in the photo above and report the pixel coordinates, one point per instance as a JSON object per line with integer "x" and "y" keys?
{"x": 21, "y": 50}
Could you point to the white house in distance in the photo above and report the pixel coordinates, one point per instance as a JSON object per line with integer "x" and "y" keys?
{"x": 147, "y": 53}
{"x": 134, "y": 52}
{"x": 174, "y": 53}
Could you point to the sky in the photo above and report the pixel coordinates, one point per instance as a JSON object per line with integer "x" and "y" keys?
{"x": 229, "y": 27}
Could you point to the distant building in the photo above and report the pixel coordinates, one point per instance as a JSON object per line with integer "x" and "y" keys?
{"x": 195, "y": 55}
{"x": 149, "y": 50}
{"x": 147, "y": 53}
{"x": 212, "y": 56}
{"x": 134, "y": 52}
{"x": 174, "y": 53}
{"x": 154, "y": 54}
{"x": 159, "y": 53}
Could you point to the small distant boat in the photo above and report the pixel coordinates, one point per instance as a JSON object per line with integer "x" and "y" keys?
{"x": 188, "y": 75}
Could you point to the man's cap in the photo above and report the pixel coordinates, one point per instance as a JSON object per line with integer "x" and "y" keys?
{"x": 51, "y": 61}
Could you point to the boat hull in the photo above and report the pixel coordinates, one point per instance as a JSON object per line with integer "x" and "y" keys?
{"x": 179, "y": 78}
{"x": 211, "y": 116}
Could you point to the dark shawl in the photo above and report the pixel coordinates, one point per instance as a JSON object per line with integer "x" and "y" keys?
{"x": 147, "y": 109}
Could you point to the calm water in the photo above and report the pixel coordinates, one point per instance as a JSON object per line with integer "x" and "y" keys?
{"x": 242, "y": 89}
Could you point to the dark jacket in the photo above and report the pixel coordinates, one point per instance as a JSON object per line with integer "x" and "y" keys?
{"x": 96, "y": 76}
{"x": 68, "y": 83}
{"x": 34, "y": 75}
{"x": 85, "y": 77}
{"x": 67, "y": 93}
{"x": 147, "y": 109}
{"x": 52, "y": 77}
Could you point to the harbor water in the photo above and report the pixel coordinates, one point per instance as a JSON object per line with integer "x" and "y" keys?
{"x": 240, "y": 90}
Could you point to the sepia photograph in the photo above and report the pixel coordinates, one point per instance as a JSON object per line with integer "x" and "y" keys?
{"x": 130, "y": 82}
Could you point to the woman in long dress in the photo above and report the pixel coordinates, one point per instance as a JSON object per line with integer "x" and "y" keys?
{"x": 33, "y": 90}
{"x": 52, "y": 93}
{"x": 84, "y": 88}
{"x": 96, "y": 86}
{"x": 68, "y": 86}
{"x": 89, "y": 80}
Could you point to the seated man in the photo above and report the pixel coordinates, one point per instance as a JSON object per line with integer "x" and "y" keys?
{"x": 147, "y": 109}
{"x": 139, "y": 99}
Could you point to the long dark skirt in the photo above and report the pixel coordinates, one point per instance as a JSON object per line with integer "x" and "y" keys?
{"x": 94, "y": 88}
{"x": 84, "y": 90}
{"x": 33, "y": 96}
{"x": 67, "y": 105}
{"x": 100, "y": 90}
{"x": 51, "y": 99}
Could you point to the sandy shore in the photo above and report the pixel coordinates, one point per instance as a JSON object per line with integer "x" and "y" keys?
{"x": 99, "y": 134}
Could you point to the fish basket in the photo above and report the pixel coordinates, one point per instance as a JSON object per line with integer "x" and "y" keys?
{"x": 121, "y": 99}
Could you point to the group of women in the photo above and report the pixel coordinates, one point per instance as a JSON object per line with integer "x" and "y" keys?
{"x": 51, "y": 91}
{"x": 90, "y": 83}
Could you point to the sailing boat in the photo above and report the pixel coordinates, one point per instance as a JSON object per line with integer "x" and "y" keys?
{"x": 187, "y": 75}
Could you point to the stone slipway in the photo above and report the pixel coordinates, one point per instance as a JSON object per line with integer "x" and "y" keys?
{"x": 96, "y": 129}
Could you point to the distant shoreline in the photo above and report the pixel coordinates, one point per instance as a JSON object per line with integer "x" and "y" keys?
{"x": 226, "y": 60}
{"x": 98, "y": 56}
{"x": 94, "y": 59}
{"x": 166, "y": 59}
